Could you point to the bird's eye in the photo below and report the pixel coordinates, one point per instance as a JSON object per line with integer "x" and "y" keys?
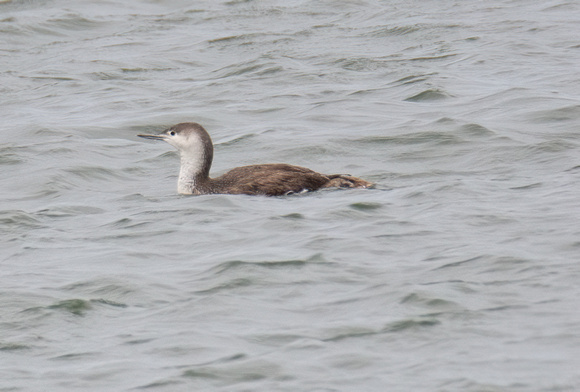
{"x": 172, "y": 133}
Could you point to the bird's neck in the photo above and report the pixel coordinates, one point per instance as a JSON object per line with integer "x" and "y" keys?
{"x": 194, "y": 172}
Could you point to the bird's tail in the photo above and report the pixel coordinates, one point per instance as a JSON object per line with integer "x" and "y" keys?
{"x": 347, "y": 181}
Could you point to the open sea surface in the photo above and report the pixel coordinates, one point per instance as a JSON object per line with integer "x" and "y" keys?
{"x": 459, "y": 271}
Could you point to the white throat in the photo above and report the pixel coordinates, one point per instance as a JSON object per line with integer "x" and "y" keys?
{"x": 192, "y": 163}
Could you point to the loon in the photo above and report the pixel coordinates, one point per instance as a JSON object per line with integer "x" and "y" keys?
{"x": 274, "y": 179}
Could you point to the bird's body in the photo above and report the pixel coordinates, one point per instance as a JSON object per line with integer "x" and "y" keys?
{"x": 276, "y": 179}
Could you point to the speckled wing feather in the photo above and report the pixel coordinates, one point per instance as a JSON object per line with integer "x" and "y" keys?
{"x": 269, "y": 180}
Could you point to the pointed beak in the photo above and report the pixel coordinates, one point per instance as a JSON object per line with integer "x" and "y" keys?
{"x": 153, "y": 137}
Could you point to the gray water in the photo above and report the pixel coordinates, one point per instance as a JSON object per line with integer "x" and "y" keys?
{"x": 458, "y": 272}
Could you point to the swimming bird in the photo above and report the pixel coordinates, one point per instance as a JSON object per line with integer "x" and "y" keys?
{"x": 275, "y": 179}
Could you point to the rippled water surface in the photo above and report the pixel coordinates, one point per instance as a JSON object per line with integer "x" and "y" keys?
{"x": 458, "y": 272}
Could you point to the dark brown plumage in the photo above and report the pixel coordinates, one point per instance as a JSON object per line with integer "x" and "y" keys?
{"x": 277, "y": 179}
